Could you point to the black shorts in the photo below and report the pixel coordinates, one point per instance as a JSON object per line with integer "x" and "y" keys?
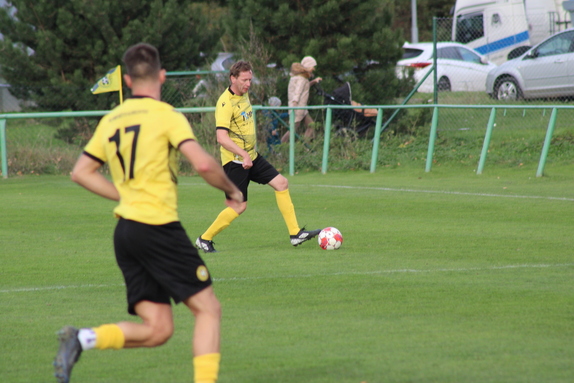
{"x": 158, "y": 263}
{"x": 261, "y": 172}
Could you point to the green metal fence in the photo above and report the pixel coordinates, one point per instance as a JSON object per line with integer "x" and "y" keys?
{"x": 542, "y": 120}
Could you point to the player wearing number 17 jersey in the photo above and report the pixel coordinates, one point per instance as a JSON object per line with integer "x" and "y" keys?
{"x": 141, "y": 137}
{"x": 138, "y": 140}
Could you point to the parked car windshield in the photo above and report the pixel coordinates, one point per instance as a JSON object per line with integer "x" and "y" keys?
{"x": 469, "y": 56}
{"x": 560, "y": 44}
{"x": 458, "y": 53}
{"x": 469, "y": 27}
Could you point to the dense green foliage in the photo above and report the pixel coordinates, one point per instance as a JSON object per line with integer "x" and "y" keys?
{"x": 426, "y": 10}
{"x": 346, "y": 38}
{"x": 54, "y": 51}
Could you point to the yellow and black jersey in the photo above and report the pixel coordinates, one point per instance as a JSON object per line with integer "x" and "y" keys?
{"x": 138, "y": 140}
{"x": 234, "y": 113}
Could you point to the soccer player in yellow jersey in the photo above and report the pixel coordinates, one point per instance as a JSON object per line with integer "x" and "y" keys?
{"x": 236, "y": 134}
{"x": 138, "y": 140}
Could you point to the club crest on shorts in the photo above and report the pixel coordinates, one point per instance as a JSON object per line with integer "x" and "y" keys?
{"x": 202, "y": 273}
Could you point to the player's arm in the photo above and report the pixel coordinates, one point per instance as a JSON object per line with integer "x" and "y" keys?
{"x": 210, "y": 170}
{"x": 224, "y": 140}
{"x": 86, "y": 174}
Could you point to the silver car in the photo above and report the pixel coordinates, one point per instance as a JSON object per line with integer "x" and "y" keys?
{"x": 544, "y": 71}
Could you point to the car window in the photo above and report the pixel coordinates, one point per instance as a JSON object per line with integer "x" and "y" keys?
{"x": 559, "y": 44}
{"x": 228, "y": 62}
{"x": 469, "y": 27}
{"x": 469, "y": 56}
{"x": 410, "y": 53}
{"x": 450, "y": 53}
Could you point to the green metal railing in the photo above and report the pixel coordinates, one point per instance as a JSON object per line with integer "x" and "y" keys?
{"x": 328, "y": 128}
{"x": 379, "y": 127}
{"x": 193, "y": 72}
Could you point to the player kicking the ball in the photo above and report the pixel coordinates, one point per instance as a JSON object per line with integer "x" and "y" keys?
{"x": 138, "y": 141}
{"x": 236, "y": 134}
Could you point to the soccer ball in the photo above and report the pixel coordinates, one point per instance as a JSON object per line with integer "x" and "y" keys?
{"x": 330, "y": 238}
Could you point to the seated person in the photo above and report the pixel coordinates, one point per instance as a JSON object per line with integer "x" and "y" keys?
{"x": 272, "y": 119}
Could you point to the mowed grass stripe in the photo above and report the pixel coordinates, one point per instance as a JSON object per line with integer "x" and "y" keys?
{"x": 424, "y": 191}
{"x": 374, "y": 272}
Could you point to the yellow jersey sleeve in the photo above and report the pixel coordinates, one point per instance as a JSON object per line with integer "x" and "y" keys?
{"x": 224, "y": 111}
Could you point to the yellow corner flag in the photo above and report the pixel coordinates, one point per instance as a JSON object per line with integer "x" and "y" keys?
{"x": 111, "y": 82}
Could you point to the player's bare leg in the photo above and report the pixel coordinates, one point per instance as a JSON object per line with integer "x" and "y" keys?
{"x": 156, "y": 329}
{"x": 206, "y": 336}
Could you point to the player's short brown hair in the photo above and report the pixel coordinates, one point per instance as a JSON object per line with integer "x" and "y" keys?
{"x": 240, "y": 66}
{"x": 142, "y": 61}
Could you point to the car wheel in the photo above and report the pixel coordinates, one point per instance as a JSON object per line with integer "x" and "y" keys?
{"x": 444, "y": 84}
{"x": 507, "y": 89}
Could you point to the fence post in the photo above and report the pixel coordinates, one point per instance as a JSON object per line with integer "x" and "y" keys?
{"x": 376, "y": 139}
{"x": 3, "y": 148}
{"x": 434, "y": 62}
{"x": 327, "y": 140}
{"x": 291, "y": 141}
{"x": 547, "y": 140}
{"x": 255, "y": 108}
{"x": 432, "y": 139}
{"x": 486, "y": 143}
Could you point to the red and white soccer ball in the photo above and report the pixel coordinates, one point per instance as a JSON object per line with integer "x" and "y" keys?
{"x": 330, "y": 238}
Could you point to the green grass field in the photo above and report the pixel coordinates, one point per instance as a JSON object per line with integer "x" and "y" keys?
{"x": 443, "y": 277}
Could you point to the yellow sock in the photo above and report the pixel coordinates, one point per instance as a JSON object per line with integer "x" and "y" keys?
{"x": 223, "y": 220}
{"x": 287, "y": 210}
{"x": 109, "y": 336}
{"x": 206, "y": 368}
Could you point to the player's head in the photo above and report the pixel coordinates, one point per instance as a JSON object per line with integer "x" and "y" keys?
{"x": 238, "y": 67}
{"x": 142, "y": 62}
{"x": 240, "y": 75}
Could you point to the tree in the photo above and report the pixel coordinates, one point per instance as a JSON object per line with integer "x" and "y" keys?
{"x": 352, "y": 40}
{"x": 54, "y": 50}
{"x": 426, "y": 10}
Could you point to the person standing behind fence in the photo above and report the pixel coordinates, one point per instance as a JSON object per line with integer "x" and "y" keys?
{"x": 138, "y": 140}
{"x": 298, "y": 94}
{"x": 235, "y": 130}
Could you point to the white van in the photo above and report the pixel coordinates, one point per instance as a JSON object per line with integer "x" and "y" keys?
{"x": 504, "y": 29}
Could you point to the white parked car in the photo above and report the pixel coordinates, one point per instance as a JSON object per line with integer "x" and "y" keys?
{"x": 459, "y": 68}
{"x": 220, "y": 66}
{"x": 544, "y": 71}
{"x": 223, "y": 61}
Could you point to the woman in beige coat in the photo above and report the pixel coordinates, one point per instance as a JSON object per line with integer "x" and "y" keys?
{"x": 298, "y": 94}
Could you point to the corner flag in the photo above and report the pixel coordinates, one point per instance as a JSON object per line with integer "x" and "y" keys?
{"x": 111, "y": 82}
